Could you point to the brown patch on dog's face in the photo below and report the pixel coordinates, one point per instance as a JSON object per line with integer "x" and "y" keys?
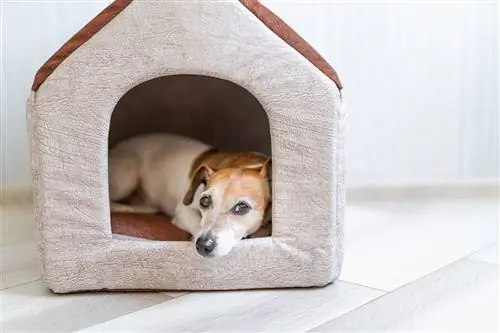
{"x": 238, "y": 183}
{"x": 233, "y": 205}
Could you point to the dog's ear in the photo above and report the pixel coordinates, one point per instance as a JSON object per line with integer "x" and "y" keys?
{"x": 199, "y": 177}
{"x": 267, "y": 169}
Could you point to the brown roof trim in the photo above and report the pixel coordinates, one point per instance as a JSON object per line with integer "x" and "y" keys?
{"x": 292, "y": 38}
{"x": 273, "y": 22}
{"x": 80, "y": 38}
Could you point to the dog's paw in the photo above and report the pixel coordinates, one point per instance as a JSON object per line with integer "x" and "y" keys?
{"x": 133, "y": 209}
{"x": 175, "y": 222}
{"x": 179, "y": 223}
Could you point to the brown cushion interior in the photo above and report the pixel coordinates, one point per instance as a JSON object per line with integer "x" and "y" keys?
{"x": 153, "y": 227}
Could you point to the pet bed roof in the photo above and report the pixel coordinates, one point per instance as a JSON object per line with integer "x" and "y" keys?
{"x": 266, "y": 16}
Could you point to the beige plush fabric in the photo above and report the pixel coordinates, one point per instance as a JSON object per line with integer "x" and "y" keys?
{"x": 69, "y": 121}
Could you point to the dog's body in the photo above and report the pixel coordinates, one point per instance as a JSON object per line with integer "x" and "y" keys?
{"x": 164, "y": 173}
{"x": 155, "y": 169}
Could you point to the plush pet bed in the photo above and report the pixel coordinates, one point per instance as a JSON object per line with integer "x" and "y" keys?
{"x": 230, "y": 73}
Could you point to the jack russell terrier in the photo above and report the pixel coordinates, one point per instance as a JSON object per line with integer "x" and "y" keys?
{"x": 219, "y": 197}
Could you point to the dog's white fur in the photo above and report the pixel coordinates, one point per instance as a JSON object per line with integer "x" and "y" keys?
{"x": 159, "y": 165}
{"x": 155, "y": 170}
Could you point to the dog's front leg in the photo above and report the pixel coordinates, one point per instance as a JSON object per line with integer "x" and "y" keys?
{"x": 187, "y": 219}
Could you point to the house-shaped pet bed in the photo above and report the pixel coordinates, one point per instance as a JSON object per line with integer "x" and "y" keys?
{"x": 230, "y": 73}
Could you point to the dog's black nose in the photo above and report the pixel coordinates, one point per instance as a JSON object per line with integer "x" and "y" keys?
{"x": 205, "y": 244}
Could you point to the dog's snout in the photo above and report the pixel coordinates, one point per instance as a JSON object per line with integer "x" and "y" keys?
{"x": 205, "y": 244}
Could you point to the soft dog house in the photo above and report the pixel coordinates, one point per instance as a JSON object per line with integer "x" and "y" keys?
{"x": 230, "y": 73}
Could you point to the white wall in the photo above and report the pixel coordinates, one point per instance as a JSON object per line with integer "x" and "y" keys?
{"x": 421, "y": 81}
{"x": 31, "y": 33}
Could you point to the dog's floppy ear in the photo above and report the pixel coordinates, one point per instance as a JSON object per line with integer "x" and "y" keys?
{"x": 267, "y": 169}
{"x": 199, "y": 177}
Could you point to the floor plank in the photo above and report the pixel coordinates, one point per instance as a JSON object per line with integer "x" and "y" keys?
{"x": 17, "y": 224}
{"x": 462, "y": 296}
{"x": 32, "y": 308}
{"x": 20, "y": 264}
{"x": 249, "y": 311}
{"x": 391, "y": 244}
{"x": 490, "y": 254}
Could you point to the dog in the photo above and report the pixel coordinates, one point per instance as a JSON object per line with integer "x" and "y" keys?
{"x": 219, "y": 197}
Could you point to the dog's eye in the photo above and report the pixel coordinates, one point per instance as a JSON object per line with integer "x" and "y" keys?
{"x": 241, "y": 208}
{"x": 205, "y": 201}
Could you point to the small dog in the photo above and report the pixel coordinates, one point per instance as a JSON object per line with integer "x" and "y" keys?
{"x": 219, "y": 197}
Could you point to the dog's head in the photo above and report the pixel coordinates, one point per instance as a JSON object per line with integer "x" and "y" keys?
{"x": 234, "y": 203}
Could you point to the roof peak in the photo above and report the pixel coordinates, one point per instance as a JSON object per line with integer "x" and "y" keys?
{"x": 266, "y": 16}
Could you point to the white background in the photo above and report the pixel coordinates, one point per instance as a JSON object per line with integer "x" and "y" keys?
{"x": 421, "y": 81}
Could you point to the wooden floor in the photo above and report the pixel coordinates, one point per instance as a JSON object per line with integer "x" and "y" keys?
{"x": 413, "y": 265}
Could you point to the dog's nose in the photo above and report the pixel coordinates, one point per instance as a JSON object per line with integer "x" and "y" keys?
{"x": 205, "y": 244}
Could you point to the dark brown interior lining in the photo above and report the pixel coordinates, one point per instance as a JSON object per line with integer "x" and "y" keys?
{"x": 210, "y": 109}
{"x": 271, "y": 20}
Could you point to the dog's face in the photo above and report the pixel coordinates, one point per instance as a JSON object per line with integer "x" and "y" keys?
{"x": 234, "y": 204}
